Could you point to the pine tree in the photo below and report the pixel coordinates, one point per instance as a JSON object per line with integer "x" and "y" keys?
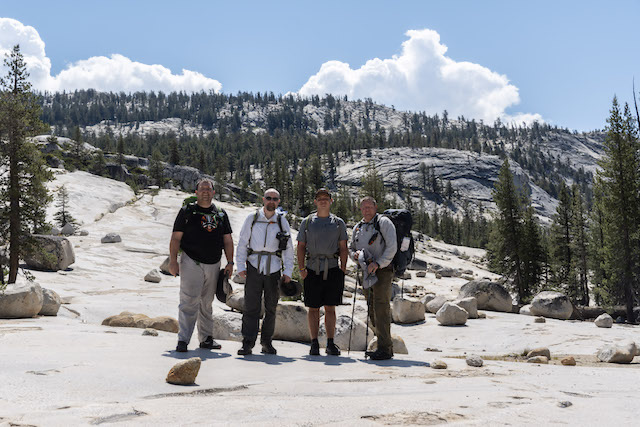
{"x": 533, "y": 255}
{"x": 23, "y": 194}
{"x": 77, "y": 142}
{"x": 62, "y": 217}
{"x": 373, "y": 185}
{"x": 561, "y": 254}
{"x": 597, "y": 242}
{"x": 506, "y": 234}
{"x": 174, "y": 155}
{"x": 156, "y": 169}
{"x": 619, "y": 200}
{"x": 120, "y": 150}
{"x": 579, "y": 262}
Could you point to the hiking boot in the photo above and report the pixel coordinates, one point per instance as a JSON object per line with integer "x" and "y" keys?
{"x": 245, "y": 350}
{"x": 315, "y": 348}
{"x": 332, "y": 349}
{"x": 267, "y": 348}
{"x": 181, "y": 347}
{"x": 210, "y": 343}
{"x": 379, "y": 355}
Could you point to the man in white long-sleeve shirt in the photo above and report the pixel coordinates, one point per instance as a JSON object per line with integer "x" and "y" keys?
{"x": 264, "y": 251}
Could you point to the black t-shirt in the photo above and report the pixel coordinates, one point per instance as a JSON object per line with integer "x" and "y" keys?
{"x": 203, "y": 230}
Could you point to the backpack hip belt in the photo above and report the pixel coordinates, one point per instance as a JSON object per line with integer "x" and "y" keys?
{"x": 324, "y": 258}
{"x": 264, "y": 253}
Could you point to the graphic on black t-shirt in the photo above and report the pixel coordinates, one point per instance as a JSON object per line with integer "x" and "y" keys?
{"x": 209, "y": 222}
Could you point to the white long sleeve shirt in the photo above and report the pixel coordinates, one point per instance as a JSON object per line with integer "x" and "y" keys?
{"x": 263, "y": 238}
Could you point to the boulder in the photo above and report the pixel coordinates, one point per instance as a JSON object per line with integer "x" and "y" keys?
{"x": 538, "y": 359}
{"x": 568, "y": 361}
{"x": 541, "y": 351}
{"x": 489, "y": 295}
{"x": 111, "y": 238}
{"x": 235, "y": 301}
{"x": 21, "y": 300}
{"x": 132, "y": 320}
{"x": 49, "y": 253}
{"x": 539, "y": 320}
{"x": 475, "y": 361}
{"x": 153, "y": 276}
{"x": 359, "y": 334}
{"x": 435, "y": 304}
{"x": 451, "y": 315}
{"x": 50, "y": 303}
{"x": 526, "y": 310}
{"x": 55, "y": 231}
{"x": 470, "y": 304}
{"x": 399, "y": 347}
{"x": 227, "y": 325}
{"x": 163, "y": 323}
{"x": 83, "y": 233}
{"x": 427, "y": 299}
{"x": 618, "y": 354}
{"x": 68, "y": 230}
{"x": 164, "y": 267}
{"x": 421, "y": 274}
{"x": 184, "y": 372}
{"x": 407, "y": 310}
{"x": 439, "y": 364}
{"x": 291, "y": 322}
{"x": 552, "y": 304}
{"x": 417, "y": 264}
{"x": 604, "y": 321}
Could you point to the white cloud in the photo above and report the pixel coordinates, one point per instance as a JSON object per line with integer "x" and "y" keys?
{"x": 116, "y": 73}
{"x": 422, "y": 78}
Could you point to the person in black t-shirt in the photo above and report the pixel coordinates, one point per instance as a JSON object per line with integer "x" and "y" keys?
{"x": 202, "y": 232}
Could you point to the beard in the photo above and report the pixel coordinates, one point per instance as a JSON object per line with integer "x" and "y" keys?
{"x": 271, "y": 207}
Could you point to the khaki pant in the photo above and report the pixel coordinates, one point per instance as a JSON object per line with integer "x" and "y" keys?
{"x": 197, "y": 289}
{"x": 378, "y": 298}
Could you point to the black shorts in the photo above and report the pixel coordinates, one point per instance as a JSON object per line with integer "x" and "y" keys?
{"x": 318, "y": 292}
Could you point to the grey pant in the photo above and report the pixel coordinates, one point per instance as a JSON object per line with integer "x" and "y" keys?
{"x": 254, "y": 287}
{"x": 197, "y": 288}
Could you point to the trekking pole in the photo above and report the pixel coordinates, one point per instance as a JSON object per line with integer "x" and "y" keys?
{"x": 353, "y": 309}
{"x": 366, "y": 336}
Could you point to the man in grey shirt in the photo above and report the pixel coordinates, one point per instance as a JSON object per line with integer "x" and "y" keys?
{"x": 375, "y": 235}
{"x": 322, "y": 240}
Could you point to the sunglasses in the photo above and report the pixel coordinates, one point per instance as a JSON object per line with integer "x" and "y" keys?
{"x": 269, "y": 198}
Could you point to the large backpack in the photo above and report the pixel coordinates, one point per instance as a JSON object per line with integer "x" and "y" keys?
{"x": 402, "y": 221}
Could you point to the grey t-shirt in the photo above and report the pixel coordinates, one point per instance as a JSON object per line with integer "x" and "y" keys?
{"x": 322, "y": 236}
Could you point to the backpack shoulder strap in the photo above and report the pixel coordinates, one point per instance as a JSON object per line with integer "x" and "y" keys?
{"x": 255, "y": 219}
{"x": 280, "y": 221}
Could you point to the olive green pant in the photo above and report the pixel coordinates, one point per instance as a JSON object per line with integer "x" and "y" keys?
{"x": 378, "y": 299}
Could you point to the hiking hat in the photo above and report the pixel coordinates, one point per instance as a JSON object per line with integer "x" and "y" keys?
{"x": 293, "y": 289}
{"x": 323, "y": 191}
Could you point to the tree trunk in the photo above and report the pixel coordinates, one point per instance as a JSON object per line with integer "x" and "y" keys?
{"x": 14, "y": 211}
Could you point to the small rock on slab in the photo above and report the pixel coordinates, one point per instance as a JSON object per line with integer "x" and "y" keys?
{"x": 184, "y": 372}
{"x": 604, "y": 321}
{"x": 421, "y": 274}
{"x": 51, "y": 303}
{"x": 111, "y": 238}
{"x": 475, "y": 361}
{"x": 565, "y": 404}
{"x": 450, "y": 315}
{"x": 439, "y": 364}
{"x": 539, "y": 320}
{"x": 68, "y": 229}
{"x": 538, "y": 359}
{"x": 622, "y": 354}
{"x": 153, "y": 276}
{"x": 541, "y": 351}
{"x": 150, "y": 332}
{"x": 568, "y": 361}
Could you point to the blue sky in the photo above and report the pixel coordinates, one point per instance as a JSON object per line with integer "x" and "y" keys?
{"x": 561, "y": 61}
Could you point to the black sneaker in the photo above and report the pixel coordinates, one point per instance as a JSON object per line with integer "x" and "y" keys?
{"x": 267, "y": 348}
{"x": 333, "y": 349}
{"x": 245, "y": 350}
{"x": 210, "y": 343}
{"x": 315, "y": 349}
{"x": 181, "y": 347}
{"x": 379, "y": 355}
